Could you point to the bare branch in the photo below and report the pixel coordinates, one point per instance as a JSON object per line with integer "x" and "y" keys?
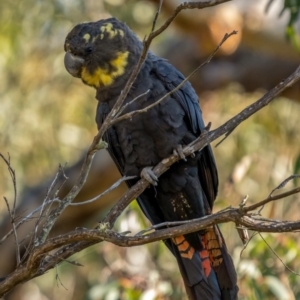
{"x": 284, "y": 182}
{"x": 247, "y": 243}
{"x": 156, "y": 15}
{"x": 12, "y": 212}
{"x": 25, "y": 219}
{"x": 14, "y": 230}
{"x": 51, "y": 201}
{"x": 182, "y": 6}
{"x": 132, "y": 101}
{"x": 67, "y": 199}
{"x": 114, "y": 186}
{"x": 47, "y": 203}
{"x": 272, "y": 198}
{"x": 72, "y": 242}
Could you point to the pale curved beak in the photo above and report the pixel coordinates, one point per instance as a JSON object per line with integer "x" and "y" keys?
{"x": 73, "y": 64}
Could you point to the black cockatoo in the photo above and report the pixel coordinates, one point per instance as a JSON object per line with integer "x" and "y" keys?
{"x": 103, "y": 54}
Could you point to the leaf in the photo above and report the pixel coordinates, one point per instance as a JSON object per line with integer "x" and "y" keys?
{"x": 293, "y": 6}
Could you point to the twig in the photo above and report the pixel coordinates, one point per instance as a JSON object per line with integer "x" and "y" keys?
{"x": 47, "y": 203}
{"x": 58, "y": 279}
{"x": 133, "y": 113}
{"x": 51, "y": 201}
{"x": 114, "y": 186}
{"x": 25, "y": 219}
{"x": 274, "y": 252}
{"x": 280, "y": 186}
{"x": 161, "y": 225}
{"x": 12, "y": 212}
{"x": 13, "y": 178}
{"x": 284, "y": 182}
{"x": 71, "y": 262}
{"x": 182, "y": 6}
{"x": 67, "y": 199}
{"x": 14, "y": 230}
{"x": 129, "y": 103}
{"x": 156, "y": 15}
{"x": 272, "y": 198}
{"x": 247, "y": 243}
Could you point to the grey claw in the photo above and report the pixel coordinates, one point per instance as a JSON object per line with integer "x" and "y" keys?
{"x": 179, "y": 151}
{"x": 148, "y": 174}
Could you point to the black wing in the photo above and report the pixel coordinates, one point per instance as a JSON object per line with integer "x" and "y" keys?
{"x": 189, "y": 100}
{"x": 152, "y": 212}
{"x": 218, "y": 284}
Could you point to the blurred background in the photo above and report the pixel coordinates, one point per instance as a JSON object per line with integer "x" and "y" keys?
{"x": 47, "y": 119}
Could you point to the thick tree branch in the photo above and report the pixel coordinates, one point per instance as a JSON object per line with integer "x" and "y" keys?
{"x": 38, "y": 261}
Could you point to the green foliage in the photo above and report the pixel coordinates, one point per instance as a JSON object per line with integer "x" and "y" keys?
{"x": 293, "y": 7}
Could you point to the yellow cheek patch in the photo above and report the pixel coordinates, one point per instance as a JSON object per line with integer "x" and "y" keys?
{"x": 119, "y": 63}
{"x": 97, "y": 79}
{"x": 87, "y": 37}
{"x": 104, "y": 77}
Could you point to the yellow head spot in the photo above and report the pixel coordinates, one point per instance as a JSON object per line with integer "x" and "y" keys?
{"x": 87, "y": 37}
{"x": 106, "y": 27}
{"x": 121, "y": 32}
{"x": 109, "y": 29}
{"x": 104, "y": 77}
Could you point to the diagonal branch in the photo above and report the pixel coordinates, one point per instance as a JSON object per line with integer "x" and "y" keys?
{"x": 205, "y": 138}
